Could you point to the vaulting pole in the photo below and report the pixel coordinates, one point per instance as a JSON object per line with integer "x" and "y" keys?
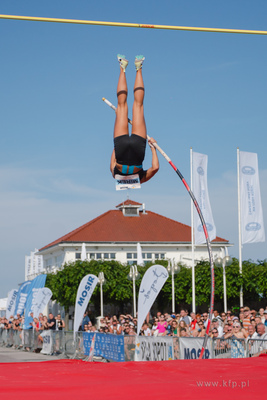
{"x": 132, "y": 25}
{"x": 191, "y": 194}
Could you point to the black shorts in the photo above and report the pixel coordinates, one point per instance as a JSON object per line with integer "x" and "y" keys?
{"x": 130, "y": 150}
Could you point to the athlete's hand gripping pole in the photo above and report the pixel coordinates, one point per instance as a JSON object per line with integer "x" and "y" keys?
{"x": 203, "y": 226}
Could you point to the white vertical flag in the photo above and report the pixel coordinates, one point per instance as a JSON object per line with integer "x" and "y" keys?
{"x": 84, "y": 293}
{"x": 151, "y": 285}
{"x": 252, "y": 226}
{"x": 200, "y": 189}
{"x": 140, "y": 260}
{"x": 83, "y": 253}
{"x": 28, "y": 267}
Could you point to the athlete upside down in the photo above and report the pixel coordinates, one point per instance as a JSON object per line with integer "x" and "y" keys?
{"x": 129, "y": 151}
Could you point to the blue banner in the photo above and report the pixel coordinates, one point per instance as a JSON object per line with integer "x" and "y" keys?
{"x": 110, "y": 346}
{"x": 36, "y": 284}
{"x": 22, "y": 298}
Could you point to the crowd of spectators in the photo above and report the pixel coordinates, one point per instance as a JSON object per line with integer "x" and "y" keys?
{"x": 39, "y": 324}
{"x": 247, "y": 324}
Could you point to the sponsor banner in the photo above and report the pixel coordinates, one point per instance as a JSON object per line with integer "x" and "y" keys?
{"x": 190, "y": 348}
{"x": 84, "y": 293}
{"x": 200, "y": 189}
{"x": 83, "y": 253}
{"x": 252, "y": 226}
{"x": 38, "y": 261}
{"x": 127, "y": 182}
{"x": 151, "y": 285}
{"x": 153, "y": 348}
{"x": 28, "y": 266}
{"x": 47, "y": 342}
{"x": 11, "y": 303}
{"x": 33, "y": 264}
{"x": 40, "y": 301}
{"x": 140, "y": 260}
{"x": 110, "y": 347}
{"x": 36, "y": 284}
{"x": 22, "y": 297}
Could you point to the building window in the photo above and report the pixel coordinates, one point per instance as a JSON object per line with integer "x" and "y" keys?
{"x": 77, "y": 256}
{"x": 149, "y": 256}
{"x": 129, "y": 256}
{"x": 92, "y": 256}
{"x": 106, "y": 256}
{"x": 162, "y": 256}
{"x": 98, "y": 256}
{"x": 156, "y": 256}
{"x": 48, "y": 263}
{"x": 112, "y": 256}
{"x": 59, "y": 261}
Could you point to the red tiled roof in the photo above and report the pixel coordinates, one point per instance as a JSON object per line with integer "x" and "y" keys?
{"x": 129, "y": 202}
{"x": 113, "y": 226}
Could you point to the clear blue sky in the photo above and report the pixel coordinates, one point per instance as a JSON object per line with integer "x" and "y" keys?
{"x": 203, "y": 90}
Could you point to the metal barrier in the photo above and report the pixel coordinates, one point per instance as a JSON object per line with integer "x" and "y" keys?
{"x": 255, "y": 346}
{"x": 151, "y": 348}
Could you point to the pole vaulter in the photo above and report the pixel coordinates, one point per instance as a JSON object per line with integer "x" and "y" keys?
{"x": 133, "y": 25}
{"x": 203, "y": 225}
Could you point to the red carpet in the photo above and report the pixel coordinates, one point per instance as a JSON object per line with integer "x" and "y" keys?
{"x": 182, "y": 379}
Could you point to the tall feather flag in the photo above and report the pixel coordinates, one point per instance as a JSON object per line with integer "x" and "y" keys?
{"x": 200, "y": 189}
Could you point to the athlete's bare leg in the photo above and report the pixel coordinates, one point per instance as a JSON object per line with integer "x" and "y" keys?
{"x": 139, "y": 125}
{"x": 121, "y": 122}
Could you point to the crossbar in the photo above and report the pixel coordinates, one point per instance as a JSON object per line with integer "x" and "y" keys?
{"x": 133, "y": 25}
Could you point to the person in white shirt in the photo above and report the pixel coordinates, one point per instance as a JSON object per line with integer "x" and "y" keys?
{"x": 145, "y": 331}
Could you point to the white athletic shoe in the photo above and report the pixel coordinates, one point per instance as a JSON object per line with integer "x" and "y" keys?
{"x": 123, "y": 62}
{"x": 138, "y": 62}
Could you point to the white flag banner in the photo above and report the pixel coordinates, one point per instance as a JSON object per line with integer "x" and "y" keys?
{"x": 151, "y": 285}
{"x": 83, "y": 253}
{"x": 252, "y": 225}
{"x": 38, "y": 262}
{"x": 11, "y": 303}
{"x": 40, "y": 301}
{"x": 28, "y": 267}
{"x": 84, "y": 293}
{"x": 140, "y": 260}
{"x": 200, "y": 189}
{"x": 34, "y": 266}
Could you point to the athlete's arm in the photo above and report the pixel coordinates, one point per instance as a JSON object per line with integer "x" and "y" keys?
{"x": 155, "y": 162}
{"x": 112, "y": 163}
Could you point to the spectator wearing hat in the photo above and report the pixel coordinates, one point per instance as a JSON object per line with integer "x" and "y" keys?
{"x": 169, "y": 326}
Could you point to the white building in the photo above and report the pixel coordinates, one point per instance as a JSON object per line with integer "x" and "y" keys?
{"x": 114, "y": 236}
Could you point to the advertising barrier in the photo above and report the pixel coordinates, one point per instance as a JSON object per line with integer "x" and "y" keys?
{"x": 190, "y": 348}
{"x": 154, "y": 348}
{"x": 128, "y": 348}
{"x": 110, "y": 347}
